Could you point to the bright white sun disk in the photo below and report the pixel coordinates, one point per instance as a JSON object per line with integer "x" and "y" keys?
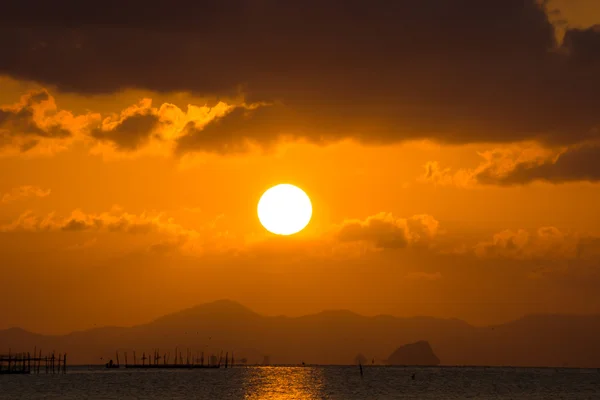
{"x": 284, "y": 209}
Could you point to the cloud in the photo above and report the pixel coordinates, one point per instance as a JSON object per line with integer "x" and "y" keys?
{"x": 523, "y": 164}
{"x": 114, "y": 221}
{"x": 20, "y": 118}
{"x": 349, "y": 240}
{"x": 444, "y": 176}
{"x": 236, "y": 131}
{"x": 140, "y": 126}
{"x": 545, "y": 243}
{"x": 132, "y": 129}
{"x": 437, "y": 175}
{"x": 34, "y": 122}
{"x": 384, "y": 231}
{"x": 36, "y": 126}
{"x": 25, "y": 191}
{"x": 576, "y": 163}
{"x": 377, "y": 71}
{"x": 583, "y": 44}
{"x": 156, "y": 232}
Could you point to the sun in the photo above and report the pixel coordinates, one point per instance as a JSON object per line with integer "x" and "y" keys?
{"x": 284, "y": 209}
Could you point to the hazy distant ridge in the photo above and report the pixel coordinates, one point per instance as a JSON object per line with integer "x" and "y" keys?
{"x": 331, "y": 337}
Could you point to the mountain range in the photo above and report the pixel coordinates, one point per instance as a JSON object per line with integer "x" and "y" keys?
{"x": 328, "y": 337}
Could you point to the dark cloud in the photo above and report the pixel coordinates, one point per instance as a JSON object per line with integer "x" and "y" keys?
{"x": 383, "y": 234}
{"x": 384, "y": 231}
{"x": 19, "y": 121}
{"x": 75, "y": 225}
{"x": 130, "y": 132}
{"x": 241, "y": 127}
{"x": 583, "y": 44}
{"x": 578, "y": 163}
{"x": 376, "y": 70}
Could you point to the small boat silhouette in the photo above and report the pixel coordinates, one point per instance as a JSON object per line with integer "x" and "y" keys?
{"x": 111, "y": 364}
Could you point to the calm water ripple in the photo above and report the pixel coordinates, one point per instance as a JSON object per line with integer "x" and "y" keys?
{"x": 319, "y": 382}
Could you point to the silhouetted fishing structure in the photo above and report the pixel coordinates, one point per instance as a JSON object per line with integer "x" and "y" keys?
{"x": 25, "y": 363}
{"x": 154, "y": 360}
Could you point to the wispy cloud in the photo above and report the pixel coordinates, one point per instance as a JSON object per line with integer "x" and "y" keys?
{"x": 25, "y": 191}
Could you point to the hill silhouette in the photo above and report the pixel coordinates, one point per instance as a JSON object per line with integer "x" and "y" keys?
{"x": 330, "y": 337}
{"x": 419, "y": 353}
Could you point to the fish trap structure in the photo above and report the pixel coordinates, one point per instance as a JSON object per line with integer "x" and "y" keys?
{"x": 26, "y": 363}
{"x": 154, "y": 360}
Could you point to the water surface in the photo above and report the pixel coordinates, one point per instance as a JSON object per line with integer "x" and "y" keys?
{"x": 311, "y": 382}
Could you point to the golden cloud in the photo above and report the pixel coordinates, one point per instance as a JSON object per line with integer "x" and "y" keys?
{"x": 544, "y": 243}
{"x": 24, "y": 191}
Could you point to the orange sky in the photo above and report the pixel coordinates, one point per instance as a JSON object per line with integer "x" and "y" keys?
{"x": 116, "y": 222}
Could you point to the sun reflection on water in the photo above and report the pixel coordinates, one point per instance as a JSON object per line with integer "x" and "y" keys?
{"x": 284, "y": 383}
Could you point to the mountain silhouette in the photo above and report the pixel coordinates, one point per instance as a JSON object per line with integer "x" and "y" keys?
{"x": 329, "y": 337}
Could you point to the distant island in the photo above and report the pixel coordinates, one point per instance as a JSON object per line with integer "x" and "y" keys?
{"x": 419, "y": 353}
{"x": 332, "y": 337}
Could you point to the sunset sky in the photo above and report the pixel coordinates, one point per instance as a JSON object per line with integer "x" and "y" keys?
{"x": 451, "y": 151}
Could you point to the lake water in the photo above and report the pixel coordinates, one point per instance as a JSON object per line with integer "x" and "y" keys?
{"x": 318, "y": 382}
